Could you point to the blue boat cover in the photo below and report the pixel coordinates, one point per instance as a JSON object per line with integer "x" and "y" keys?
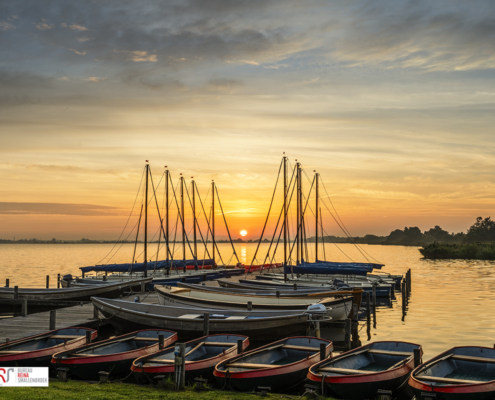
{"x": 139, "y": 267}
{"x": 327, "y": 267}
{"x": 351, "y": 264}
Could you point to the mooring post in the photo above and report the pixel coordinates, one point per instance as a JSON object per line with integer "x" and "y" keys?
{"x": 88, "y": 337}
{"x": 48, "y": 281}
{"x": 277, "y": 293}
{"x": 239, "y": 346}
{"x": 323, "y": 351}
{"x": 104, "y": 278}
{"x": 355, "y": 323}
{"x": 24, "y": 307}
{"x": 250, "y": 305}
{"x": 409, "y": 283}
{"x": 53, "y": 319}
{"x": 417, "y": 357}
{"x": 317, "y": 328}
{"x": 16, "y": 292}
{"x": 368, "y": 314}
{"x": 143, "y": 287}
{"x": 347, "y": 334}
{"x": 161, "y": 341}
{"x": 58, "y": 281}
{"x": 182, "y": 353}
{"x": 7, "y": 282}
{"x": 206, "y": 324}
{"x": 374, "y": 306}
{"x": 179, "y": 364}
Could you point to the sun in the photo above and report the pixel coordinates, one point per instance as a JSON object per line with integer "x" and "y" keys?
{"x": 243, "y": 233}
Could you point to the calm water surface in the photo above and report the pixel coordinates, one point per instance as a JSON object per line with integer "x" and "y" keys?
{"x": 452, "y": 302}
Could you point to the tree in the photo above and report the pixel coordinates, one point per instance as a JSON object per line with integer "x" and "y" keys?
{"x": 437, "y": 234}
{"x": 483, "y": 230}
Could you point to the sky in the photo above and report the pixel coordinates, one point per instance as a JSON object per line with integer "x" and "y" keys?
{"x": 391, "y": 102}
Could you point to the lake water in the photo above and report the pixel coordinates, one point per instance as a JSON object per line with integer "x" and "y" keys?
{"x": 451, "y": 304}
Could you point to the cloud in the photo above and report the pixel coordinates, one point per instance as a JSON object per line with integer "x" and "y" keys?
{"x": 43, "y": 26}
{"x": 12, "y": 208}
{"x": 95, "y": 79}
{"x": 81, "y": 53}
{"x": 140, "y": 56}
{"x": 5, "y": 26}
{"x": 250, "y": 62}
{"x": 79, "y": 28}
{"x": 23, "y": 79}
{"x": 222, "y": 84}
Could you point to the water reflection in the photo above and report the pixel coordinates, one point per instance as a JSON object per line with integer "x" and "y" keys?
{"x": 449, "y": 304}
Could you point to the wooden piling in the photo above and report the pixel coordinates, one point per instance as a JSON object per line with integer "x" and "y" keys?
{"x": 323, "y": 351}
{"x": 417, "y": 357}
{"x": 250, "y": 305}
{"x": 347, "y": 334}
{"x": 355, "y": 323}
{"x": 48, "y": 281}
{"x": 24, "y": 307}
{"x": 368, "y": 315}
{"x": 16, "y": 292}
{"x": 88, "y": 337}
{"x": 7, "y": 282}
{"x": 182, "y": 353}
{"x": 239, "y": 346}
{"x": 161, "y": 341}
{"x": 206, "y": 324}
{"x": 58, "y": 281}
{"x": 374, "y": 306}
{"x": 53, "y": 320}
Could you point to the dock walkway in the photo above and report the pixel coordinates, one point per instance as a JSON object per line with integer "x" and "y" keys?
{"x": 82, "y": 315}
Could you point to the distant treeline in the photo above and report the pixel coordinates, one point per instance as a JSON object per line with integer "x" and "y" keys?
{"x": 88, "y": 241}
{"x": 483, "y": 230}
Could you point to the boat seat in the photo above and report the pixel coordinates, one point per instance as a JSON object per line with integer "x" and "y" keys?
{"x": 447, "y": 380}
{"x": 474, "y": 359}
{"x": 13, "y": 351}
{"x": 65, "y": 337}
{"x": 236, "y": 317}
{"x": 250, "y": 366}
{"x": 302, "y": 348}
{"x": 223, "y": 344}
{"x": 159, "y": 361}
{"x": 391, "y": 353}
{"x": 85, "y": 355}
{"x": 343, "y": 370}
{"x": 143, "y": 339}
{"x": 191, "y": 316}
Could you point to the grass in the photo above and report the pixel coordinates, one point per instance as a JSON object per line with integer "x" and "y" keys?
{"x": 112, "y": 391}
{"x": 471, "y": 251}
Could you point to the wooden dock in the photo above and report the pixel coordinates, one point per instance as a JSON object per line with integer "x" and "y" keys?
{"x": 81, "y": 315}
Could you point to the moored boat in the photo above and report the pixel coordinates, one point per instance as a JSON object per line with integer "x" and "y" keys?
{"x": 188, "y": 322}
{"x": 461, "y": 373}
{"x": 37, "y": 350}
{"x": 280, "y": 365}
{"x": 361, "y": 372}
{"x": 338, "y": 308}
{"x": 113, "y": 355}
{"x": 201, "y": 357}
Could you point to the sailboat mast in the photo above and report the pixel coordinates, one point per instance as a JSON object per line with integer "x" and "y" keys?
{"x": 167, "y": 177}
{"x": 183, "y": 217}
{"x": 285, "y": 217}
{"x": 213, "y": 220}
{"x": 195, "y": 255}
{"x": 298, "y": 214}
{"x": 317, "y": 217}
{"x": 146, "y": 223}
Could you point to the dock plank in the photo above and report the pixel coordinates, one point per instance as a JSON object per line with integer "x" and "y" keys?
{"x": 80, "y": 315}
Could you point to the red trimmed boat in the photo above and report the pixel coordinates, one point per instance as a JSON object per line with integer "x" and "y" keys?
{"x": 113, "y": 355}
{"x": 280, "y": 365}
{"x": 360, "y": 373}
{"x": 461, "y": 373}
{"x": 37, "y": 351}
{"x": 201, "y": 357}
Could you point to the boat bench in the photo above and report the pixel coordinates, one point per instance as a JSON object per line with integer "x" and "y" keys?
{"x": 236, "y": 317}
{"x": 342, "y": 370}
{"x": 13, "y": 351}
{"x": 158, "y": 361}
{"x": 191, "y": 316}
{"x": 223, "y": 344}
{"x": 302, "y": 348}
{"x": 447, "y": 380}
{"x": 250, "y": 366}
{"x": 143, "y": 339}
{"x": 391, "y": 353}
{"x": 474, "y": 359}
{"x": 65, "y": 337}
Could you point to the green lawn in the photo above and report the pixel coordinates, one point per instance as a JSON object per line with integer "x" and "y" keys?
{"x": 112, "y": 391}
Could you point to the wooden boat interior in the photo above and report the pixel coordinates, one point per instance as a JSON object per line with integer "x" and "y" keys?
{"x": 463, "y": 366}
{"x": 286, "y": 352}
{"x": 196, "y": 350}
{"x": 43, "y": 341}
{"x": 376, "y": 357}
{"x": 121, "y": 344}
